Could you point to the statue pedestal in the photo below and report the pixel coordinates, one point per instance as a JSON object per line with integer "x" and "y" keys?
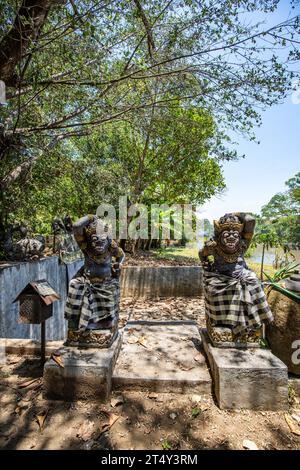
{"x": 87, "y": 373}
{"x": 86, "y": 339}
{"x": 223, "y": 337}
{"x": 252, "y": 379}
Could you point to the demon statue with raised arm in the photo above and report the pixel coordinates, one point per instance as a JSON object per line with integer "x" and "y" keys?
{"x": 92, "y": 307}
{"x": 235, "y": 303}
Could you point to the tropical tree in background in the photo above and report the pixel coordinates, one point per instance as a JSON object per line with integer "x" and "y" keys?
{"x": 278, "y": 225}
{"x": 283, "y": 212}
{"x": 76, "y": 70}
{"x": 268, "y": 238}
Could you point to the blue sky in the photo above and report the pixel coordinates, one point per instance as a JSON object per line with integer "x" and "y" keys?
{"x": 252, "y": 181}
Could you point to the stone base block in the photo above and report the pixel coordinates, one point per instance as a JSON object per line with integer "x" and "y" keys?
{"x": 86, "y": 374}
{"x": 252, "y": 379}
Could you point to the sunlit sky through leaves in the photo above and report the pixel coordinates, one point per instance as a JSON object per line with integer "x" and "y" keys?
{"x": 252, "y": 181}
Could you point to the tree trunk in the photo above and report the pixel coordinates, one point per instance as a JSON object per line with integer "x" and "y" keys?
{"x": 17, "y": 172}
{"x": 29, "y": 20}
{"x": 262, "y": 262}
{"x": 123, "y": 244}
{"x": 148, "y": 244}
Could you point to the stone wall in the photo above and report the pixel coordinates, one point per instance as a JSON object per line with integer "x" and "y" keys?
{"x": 14, "y": 277}
{"x": 161, "y": 281}
{"x": 136, "y": 281}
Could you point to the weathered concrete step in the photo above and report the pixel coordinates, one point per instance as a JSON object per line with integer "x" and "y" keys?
{"x": 162, "y": 356}
{"x": 247, "y": 378}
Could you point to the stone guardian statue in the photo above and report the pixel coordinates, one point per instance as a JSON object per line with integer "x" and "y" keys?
{"x": 92, "y": 307}
{"x": 235, "y": 303}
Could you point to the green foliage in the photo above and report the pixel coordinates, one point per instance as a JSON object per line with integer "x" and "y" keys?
{"x": 267, "y": 237}
{"x": 103, "y": 103}
{"x": 166, "y": 445}
{"x": 195, "y": 412}
{"x": 164, "y": 155}
{"x": 293, "y": 185}
{"x": 283, "y": 273}
{"x": 283, "y": 212}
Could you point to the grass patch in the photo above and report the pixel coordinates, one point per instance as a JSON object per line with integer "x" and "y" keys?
{"x": 256, "y": 268}
{"x": 190, "y": 253}
{"x": 177, "y": 253}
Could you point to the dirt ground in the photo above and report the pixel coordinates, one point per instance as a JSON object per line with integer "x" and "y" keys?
{"x": 134, "y": 420}
{"x": 174, "y": 308}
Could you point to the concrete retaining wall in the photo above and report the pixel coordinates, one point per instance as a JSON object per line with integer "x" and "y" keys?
{"x": 161, "y": 281}
{"x": 14, "y": 277}
{"x": 135, "y": 282}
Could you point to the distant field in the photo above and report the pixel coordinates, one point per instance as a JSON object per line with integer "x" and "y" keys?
{"x": 178, "y": 253}
{"x": 190, "y": 253}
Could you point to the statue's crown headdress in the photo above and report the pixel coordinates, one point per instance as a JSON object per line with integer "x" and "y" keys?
{"x": 98, "y": 227}
{"x": 228, "y": 223}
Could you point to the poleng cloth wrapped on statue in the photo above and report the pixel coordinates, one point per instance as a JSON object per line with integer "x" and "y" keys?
{"x": 91, "y": 302}
{"x": 237, "y": 302}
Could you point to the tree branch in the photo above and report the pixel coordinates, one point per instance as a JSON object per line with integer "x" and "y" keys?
{"x": 29, "y": 20}
{"x": 151, "y": 45}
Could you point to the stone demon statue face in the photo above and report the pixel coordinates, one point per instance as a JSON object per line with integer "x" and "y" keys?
{"x": 98, "y": 238}
{"x": 230, "y": 240}
{"x": 228, "y": 233}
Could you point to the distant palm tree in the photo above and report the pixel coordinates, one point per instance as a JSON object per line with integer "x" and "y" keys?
{"x": 268, "y": 238}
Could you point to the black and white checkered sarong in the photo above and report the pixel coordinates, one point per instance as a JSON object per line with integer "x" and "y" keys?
{"x": 239, "y": 303}
{"x": 89, "y": 302}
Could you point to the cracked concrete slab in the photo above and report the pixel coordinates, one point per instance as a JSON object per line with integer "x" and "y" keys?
{"x": 162, "y": 356}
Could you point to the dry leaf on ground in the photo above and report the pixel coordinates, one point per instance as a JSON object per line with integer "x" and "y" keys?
{"x": 142, "y": 341}
{"x": 122, "y": 322}
{"x": 296, "y": 418}
{"x": 41, "y": 417}
{"x": 186, "y": 367}
{"x": 18, "y": 410}
{"x": 249, "y": 445}
{"x": 57, "y": 358}
{"x": 198, "y": 357}
{"x": 133, "y": 340}
{"x": 110, "y": 420}
{"x": 116, "y": 401}
{"x": 85, "y": 430}
{"x": 156, "y": 396}
{"x": 13, "y": 362}
{"x": 294, "y": 428}
{"x": 28, "y": 383}
{"x": 130, "y": 330}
